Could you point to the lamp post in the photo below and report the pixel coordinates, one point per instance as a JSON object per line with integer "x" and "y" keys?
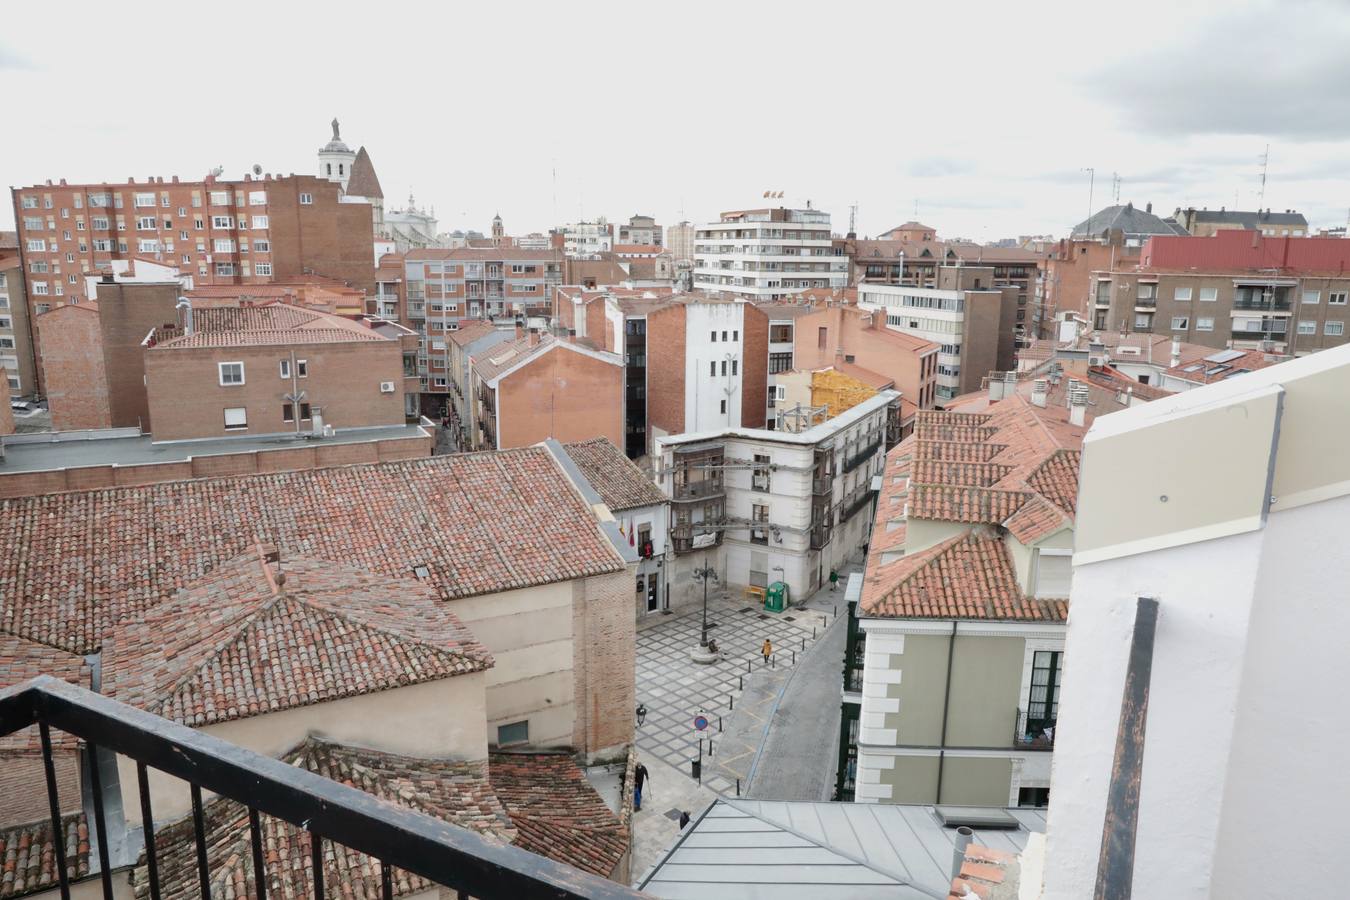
{"x": 705, "y": 574}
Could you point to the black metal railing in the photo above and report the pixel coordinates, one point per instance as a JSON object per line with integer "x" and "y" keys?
{"x": 1033, "y": 733}
{"x": 862, "y": 455}
{"x": 391, "y": 835}
{"x": 699, "y": 490}
{"x": 682, "y": 538}
{"x": 822, "y": 484}
{"x": 861, "y": 497}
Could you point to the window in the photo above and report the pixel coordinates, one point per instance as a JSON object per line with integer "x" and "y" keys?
{"x": 32, "y": 223}
{"x": 261, "y": 246}
{"x": 198, "y": 223}
{"x": 1038, "y": 797}
{"x": 222, "y": 221}
{"x": 735, "y": 335}
{"x": 260, "y": 221}
{"x": 236, "y": 417}
{"x": 220, "y": 198}
{"x": 1311, "y": 297}
{"x": 37, "y": 245}
{"x": 38, "y": 267}
{"x": 1148, "y": 291}
{"x": 734, "y": 365}
{"x": 302, "y": 368}
{"x": 714, "y": 337}
{"x": 1306, "y": 327}
{"x": 724, "y": 406}
{"x": 1336, "y": 298}
{"x": 1047, "y": 667}
{"x": 79, "y": 224}
{"x": 759, "y": 477}
{"x": 262, "y": 269}
{"x": 1335, "y": 329}
{"x": 1181, "y": 294}
{"x": 712, "y": 368}
{"x": 224, "y": 268}
{"x": 146, "y": 223}
{"x": 224, "y": 245}
{"x": 724, "y": 367}
{"x": 1180, "y": 323}
{"x": 147, "y": 245}
{"x": 759, "y": 522}
{"x": 304, "y": 411}
{"x": 102, "y": 245}
{"x": 306, "y": 199}
{"x": 100, "y": 223}
{"x": 779, "y": 362}
{"x": 231, "y": 373}
{"x": 724, "y": 336}
{"x": 288, "y": 412}
{"x": 513, "y": 733}
{"x": 1209, "y": 295}
{"x": 1204, "y": 323}
{"x": 1142, "y": 322}
{"x": 40, "y": 288}
{"x": 145, "y": 199}
{"x": 1053, "y": 571}
{"x": 32, "y": 202}
{"x": 285, "y": 368}
{"x": 822, "y": 335}
{"x": 257, "y": 198}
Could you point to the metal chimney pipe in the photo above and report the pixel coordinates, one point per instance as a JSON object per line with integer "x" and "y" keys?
{"x": 186, "y": 306}
{"x": 964, "y": 835}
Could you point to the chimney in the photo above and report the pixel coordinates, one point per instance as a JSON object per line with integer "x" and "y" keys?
{"x": 520, "y": 331}
{"x": 1176, "y": 353}
{"x": 1078, "y": 403}
{"x": 996, "y": 387}
{"x": 1040, "y": 389}
{"x": 185, "y": 305}
{"x": 964, "y": 835}
{"x": 534, "y": 337}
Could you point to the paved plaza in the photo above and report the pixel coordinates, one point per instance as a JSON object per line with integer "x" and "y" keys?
{"x": 768, "y": 725}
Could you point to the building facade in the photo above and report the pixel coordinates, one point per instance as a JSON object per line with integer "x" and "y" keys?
{"x": 640, "y": 230}
{"x": 972, "y": 322}
{"x": 16, "y": 336}
{"x": 767, "y": 254}
{"x": 1233, "y": 290}
{"x": 1205, "y": 222}
{"x": 764, "y": 506}
{"x": 585, "y": 239}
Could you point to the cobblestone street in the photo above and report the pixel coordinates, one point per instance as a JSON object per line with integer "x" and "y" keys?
{"x": 740, "y": 696}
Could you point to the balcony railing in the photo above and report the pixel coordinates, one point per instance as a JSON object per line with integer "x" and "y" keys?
{"x": 1149, "y": 302}
{"x": 699, "y": 490}
{"x": 330, "y": 812}
{"x": 862, "y": 455}
{"x": 683, "y": 538}
{"x": 1262, "y": 304}
{"x": 822, "y": 484}
{"x": 1036, "y": 734}
{"x": 859, "y": 498}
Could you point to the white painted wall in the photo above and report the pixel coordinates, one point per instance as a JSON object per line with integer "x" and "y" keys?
{"x": 704, "y": 394}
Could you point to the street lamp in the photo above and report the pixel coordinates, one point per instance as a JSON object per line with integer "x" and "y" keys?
{"x": 705, "y": 574}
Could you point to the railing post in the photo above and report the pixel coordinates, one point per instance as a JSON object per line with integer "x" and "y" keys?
{"x": 58, "y": 834}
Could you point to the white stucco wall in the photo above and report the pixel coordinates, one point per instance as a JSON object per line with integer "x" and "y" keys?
{"x": 703, "y": 393}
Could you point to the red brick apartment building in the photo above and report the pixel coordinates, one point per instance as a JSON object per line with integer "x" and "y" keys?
{"x": 274, "y": 369}
{"x": 540, "y": 386}
{"x": 253, "y": 231}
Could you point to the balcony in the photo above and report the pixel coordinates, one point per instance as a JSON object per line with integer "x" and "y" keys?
{"x": 857, "y": 500}
{"x": 322, "y": 811}
{"x": 822, "y": 485}
{"x": 1145, "y": 302}
{"x": 1036, "y": 734}
{"x": 820, "y": 533}
{"x": 1265, "y": 305}
{"x": 687, "y": 537}
{"x": 862, "y": 456}
{"x": 699, "y": 490}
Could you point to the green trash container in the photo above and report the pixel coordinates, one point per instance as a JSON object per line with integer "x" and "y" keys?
{"x": 776, "y": 597}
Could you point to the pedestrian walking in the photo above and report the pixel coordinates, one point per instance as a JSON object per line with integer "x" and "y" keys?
{"x": 834, "y": 580}
{"x": 640, "y": 776}
{"x": 767, "y": 650}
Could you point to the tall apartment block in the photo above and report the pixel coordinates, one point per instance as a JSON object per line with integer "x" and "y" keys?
{"x": 16, "y": 336}
{"x": 767, "y": 254}
{"x": 972, "y": 320}
{"x": 1236, "y": 289}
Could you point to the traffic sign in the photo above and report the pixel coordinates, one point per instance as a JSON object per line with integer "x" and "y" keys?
{"x": 701, "y": 722}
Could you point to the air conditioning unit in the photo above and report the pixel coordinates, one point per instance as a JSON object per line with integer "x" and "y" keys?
{"x": 386, "y": 387}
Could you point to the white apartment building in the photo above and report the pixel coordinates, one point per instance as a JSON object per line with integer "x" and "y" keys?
{"x": 969, "y": 320}
{"x": 762, "y": 506}
{"x": 587, "y": 238}
{"x": 767, "y": 254}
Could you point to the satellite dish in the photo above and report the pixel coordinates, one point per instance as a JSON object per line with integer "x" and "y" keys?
{"x": 257, "y": 169}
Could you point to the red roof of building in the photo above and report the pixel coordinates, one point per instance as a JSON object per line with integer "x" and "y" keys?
{"x": 21, "y": 660}
{"x": 262, "y": 634}
{"x": 79, "y": 562}
{"x": 268, "y": 324}
{"x": 1238, "y": 250}
{"x": 28, "y": 856}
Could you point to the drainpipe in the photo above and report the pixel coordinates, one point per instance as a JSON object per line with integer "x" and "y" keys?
{"x": 946, "y": 704}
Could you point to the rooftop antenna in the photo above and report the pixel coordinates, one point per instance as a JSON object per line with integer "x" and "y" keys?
{"x": 1265, "y": 166}
{"x": 1115, "y": 188}
{"x": 1092, "y": 175}
{"x": 853, "y": 218}
{"x": 555, "y": 189}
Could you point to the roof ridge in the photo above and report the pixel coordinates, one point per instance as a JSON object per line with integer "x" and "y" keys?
{"x": 457, "y": 653}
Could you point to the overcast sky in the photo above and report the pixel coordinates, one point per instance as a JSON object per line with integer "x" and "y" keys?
{"x": 983, "y": 115}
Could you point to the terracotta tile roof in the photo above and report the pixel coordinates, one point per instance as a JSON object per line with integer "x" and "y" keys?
{"x": 556, "y": 811}
{"x": 986, "y": 874}
{"x": 258, "y": 636}
{"x": 21, "y": 660}
{"x": 959, "y": 472}
{"x": 467, "y": 334}
{"x": 957, "y": 503}
{"x": 1112, "y": 379}
{"x": 967, "y": 576}
{"x": 1057, "y": 479}
{"x": 271, "y": 323}
{"x": 1036, "y": 519}
{"x": 28, "y": 857}
{"x": 78, "y": 562}
{"x": 618, "y": 481}
{"x": 455, "y": 792}
{"x": 498, "y": 358}
{"x": 1208, "y": 371}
